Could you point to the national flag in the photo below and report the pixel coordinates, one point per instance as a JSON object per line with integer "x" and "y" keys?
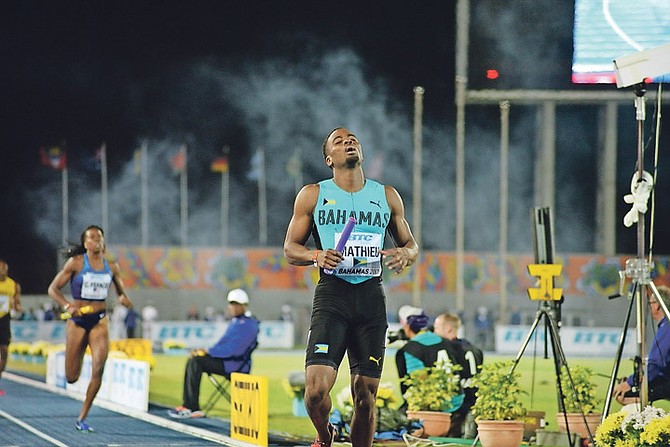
{"x": 321, "y": 348}
{"x": 220, "y": 164}
{"x": 178, "y": 160}
{"x": 54, "y": 157}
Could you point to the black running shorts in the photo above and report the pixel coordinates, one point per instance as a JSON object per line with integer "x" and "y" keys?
{"x": 5, "y": 332}
{"x": 352, "y": 318}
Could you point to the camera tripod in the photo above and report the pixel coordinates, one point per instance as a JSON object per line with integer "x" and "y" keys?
{"x": 550, "y": 313}
{"x": 550, "y": 309}
{"x": 639, "y": 270}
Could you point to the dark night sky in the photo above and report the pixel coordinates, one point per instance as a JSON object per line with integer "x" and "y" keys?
{"x": 81, "y": 72}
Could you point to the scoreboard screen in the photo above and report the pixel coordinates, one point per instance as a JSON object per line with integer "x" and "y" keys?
{"x": 605, "y": 30}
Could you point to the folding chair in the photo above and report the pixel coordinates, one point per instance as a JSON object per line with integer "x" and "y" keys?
{"x": 221, "y": 383}
{"x": 221, "y": 388}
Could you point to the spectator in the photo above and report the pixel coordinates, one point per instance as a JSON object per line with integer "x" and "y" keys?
{"x": 483, "y": 327}
{"x": 658, "y": 364}
{"x": 192, "y": 314}
{"x": 29, "y": 315}
{"x": 117, "y": 329}
{"x": 515, "y": 317}
{"x": 228, "y": 355}
{"x": 39, "y": 313}
{"x": 286, "y": 313}
{"x": 149, "y": 316}
{"x": 131, "y": 322}
{"x": 210, "y": 314}
{"x": 49, "y": 312}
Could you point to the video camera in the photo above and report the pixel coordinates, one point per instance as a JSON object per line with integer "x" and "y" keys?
{"x": 393, "y": 336}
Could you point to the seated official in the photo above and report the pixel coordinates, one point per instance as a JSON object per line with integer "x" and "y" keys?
{"x": 423, "y": 349}
{"x": 658, "y": 363}
{"x": 230, "y": 354}
{"x": 470, "y": 358}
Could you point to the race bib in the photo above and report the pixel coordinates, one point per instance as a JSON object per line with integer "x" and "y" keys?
{"x": 4, "y": 304}
{"x": 362, "y": 255}
{"x": 95, "y": 285}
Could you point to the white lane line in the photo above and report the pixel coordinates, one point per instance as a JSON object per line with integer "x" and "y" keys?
{"x": 32, "y": 429}
{"x": 137, "y": 414}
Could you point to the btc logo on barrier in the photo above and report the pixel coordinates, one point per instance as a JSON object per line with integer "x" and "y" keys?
{"x": 249, "y": 408}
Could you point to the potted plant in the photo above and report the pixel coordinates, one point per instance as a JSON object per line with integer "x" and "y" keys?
{"x": 429, "y": 396}
{"x": 580, "y": 403}
{"x": 499, "y": 411}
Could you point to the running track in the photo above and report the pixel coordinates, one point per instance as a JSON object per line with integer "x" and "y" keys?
{"x": 33, "y": 414}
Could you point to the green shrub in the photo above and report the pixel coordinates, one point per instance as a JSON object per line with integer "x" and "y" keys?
{"x": 432, "y": 389}
{"x": 584, "y": 393}
{"x": 498, "y": 394}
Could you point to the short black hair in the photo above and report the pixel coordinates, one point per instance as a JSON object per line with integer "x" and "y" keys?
{"x": 325, "y": 141}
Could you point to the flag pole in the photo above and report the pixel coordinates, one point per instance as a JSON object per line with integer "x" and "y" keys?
{"x": 299, "y": 178}
{"x": 184, "y": 199}
{"x": 64, "y": 188}
{"x": 225, "y": 200}
{"x": 104, "y": 198}
{"x": 294, "y": 169}
{"x": 416, "y": 203}
{"x": 225, "y": 192}
{"x": 144, "y": 193}
{"x": 262, "y": 199}
{"x": 504, "y": 207}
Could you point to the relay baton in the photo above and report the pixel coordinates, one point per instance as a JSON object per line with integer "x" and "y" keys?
{"x": 344, "y": 237}
{"x": 83, "y": 310}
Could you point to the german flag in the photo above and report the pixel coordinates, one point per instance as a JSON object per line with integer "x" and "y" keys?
{"x": 220, "y": 165}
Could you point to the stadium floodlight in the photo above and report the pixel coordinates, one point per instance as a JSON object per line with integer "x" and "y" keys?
{"x": 636, "y": 67}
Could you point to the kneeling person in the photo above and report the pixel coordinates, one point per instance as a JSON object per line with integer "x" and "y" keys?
{"x": 470, "y": 358}
{"x": 424, "y": 347}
